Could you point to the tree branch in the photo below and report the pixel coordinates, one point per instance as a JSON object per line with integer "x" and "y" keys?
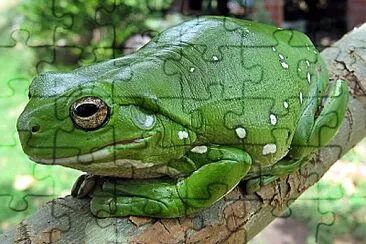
{"x": 237, "y": 217}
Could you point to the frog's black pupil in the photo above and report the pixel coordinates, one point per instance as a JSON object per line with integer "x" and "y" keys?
{"x": 86, "y": 110}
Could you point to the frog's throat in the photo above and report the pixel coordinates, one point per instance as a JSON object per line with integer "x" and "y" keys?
{"x": 103, "y": 153}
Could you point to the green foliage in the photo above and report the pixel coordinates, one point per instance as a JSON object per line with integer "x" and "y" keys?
{"x": 332, "y": 212}
{"x": 86, "y": 31}
{"x": 356, "y": 154}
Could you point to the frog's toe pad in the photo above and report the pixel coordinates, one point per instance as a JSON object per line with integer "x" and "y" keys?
{"x": 84, "y": 185}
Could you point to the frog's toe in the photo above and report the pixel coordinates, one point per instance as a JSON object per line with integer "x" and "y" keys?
{"x": 84, "y": 185}
{"x": 253, "y": 185}
{"x": 103, "y": 207}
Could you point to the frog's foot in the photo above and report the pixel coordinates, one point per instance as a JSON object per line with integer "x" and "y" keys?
{"x": 314, "y": 133}
{"x": 154, "y": 198}
{"x": 84, "y": 185}
{"x": 224, "y": 169}
{"x": 255, "y": 181}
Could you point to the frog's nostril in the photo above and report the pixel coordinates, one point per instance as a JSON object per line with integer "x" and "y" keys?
{"x": 35, "y": 128}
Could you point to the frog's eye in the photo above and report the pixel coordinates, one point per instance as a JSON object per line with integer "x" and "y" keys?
{"x": 89, "y": 113}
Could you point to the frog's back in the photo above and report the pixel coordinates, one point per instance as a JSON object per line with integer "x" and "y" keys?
{"x": 233, "y": 81}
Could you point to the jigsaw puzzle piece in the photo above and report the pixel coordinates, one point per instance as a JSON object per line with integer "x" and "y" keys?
{"x": 12, "y": 95}
{"x": 23, "y": 195}
{"x": 315, "y": 207}
{"x": 55, "y": 55}
{"x": 191, "y": 67}
{"x": 61, "y": 43}
{"x": 104, "y": 42}
{"x": 58, "y": 22}
{"x": 21, "y": 40}
{"x": 189, "y": 35}
{"x": 306, "y": 58}
{"x": 98, "y": 54}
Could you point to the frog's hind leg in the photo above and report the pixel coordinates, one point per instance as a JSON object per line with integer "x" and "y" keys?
{"x": 314, "y": 131}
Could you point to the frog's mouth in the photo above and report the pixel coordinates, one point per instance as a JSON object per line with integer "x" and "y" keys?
{"x": 104, "y": 152}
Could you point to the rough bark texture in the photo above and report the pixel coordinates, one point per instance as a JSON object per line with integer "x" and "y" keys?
{"x": 237, "y": 217}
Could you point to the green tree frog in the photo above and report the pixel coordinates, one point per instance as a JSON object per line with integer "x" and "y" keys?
{"x": 173, "y": 127}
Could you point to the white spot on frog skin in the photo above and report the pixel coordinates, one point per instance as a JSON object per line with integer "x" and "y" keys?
{"x": 215, "y": 58}
{"x": 191, "y": 69}
{"x": 273, "y": 119}
{"x": 284, "y": 65}
{"x": 285, "y": 104}
{"x": 269, "y": 149}
{"x": 282, "y": 61}
{"x": 183, "y": 135}
{"x": 308, "y": 77}
{"x": 298, "y": 69}
{"x": 274, "y": 49}
{"x": 199, "y": 149}
{"x": 241, "y": 132}
{"x": 301, "y": 97}
{"x": 307, "y": 63}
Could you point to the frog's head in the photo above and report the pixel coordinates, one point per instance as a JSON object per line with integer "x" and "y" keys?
{"x": 84, "y": 123}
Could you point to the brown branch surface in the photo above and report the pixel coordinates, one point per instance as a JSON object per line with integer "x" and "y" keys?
{"x": 237, "y": 217}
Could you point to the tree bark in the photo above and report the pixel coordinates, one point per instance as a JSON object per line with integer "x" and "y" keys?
{"x": 237, "y": 217}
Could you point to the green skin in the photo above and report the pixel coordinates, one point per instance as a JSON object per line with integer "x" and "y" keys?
{"x": 212, "y": 101}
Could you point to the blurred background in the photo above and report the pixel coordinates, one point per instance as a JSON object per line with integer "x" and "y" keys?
{"x": 62, "y": 35}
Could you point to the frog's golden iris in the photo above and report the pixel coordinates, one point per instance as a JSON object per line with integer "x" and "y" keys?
{"x": 90, "y": 113}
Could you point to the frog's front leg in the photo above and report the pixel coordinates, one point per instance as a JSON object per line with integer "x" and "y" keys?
{"x": 218, "y": 171}
{"x": 313, "y": 132}
{"x": 316, "y": 130}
